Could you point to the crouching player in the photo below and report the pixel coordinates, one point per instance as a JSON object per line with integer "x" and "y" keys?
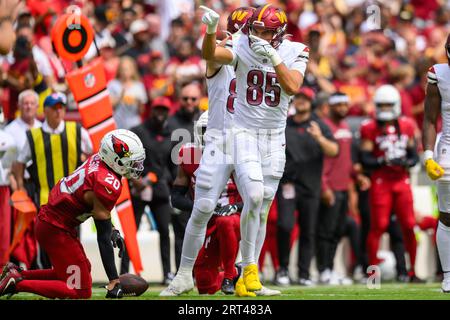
{"x": 90, "y": 191}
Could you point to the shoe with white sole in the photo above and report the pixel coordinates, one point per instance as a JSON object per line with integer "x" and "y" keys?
{"x": 306, "y": 282}
{"x": 267, "y": 292}
{"x": 182, "y": 283}
{"x": 446, "y": 286}
{"x": 324, "y": 277}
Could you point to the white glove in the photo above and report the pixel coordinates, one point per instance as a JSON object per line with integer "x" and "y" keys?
{"x": 263, "y": 48}
{"x": 211, "y": 19}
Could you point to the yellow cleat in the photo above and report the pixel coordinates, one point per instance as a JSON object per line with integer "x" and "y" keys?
{"x": 251, "y": 278}
{"x": 434, "y": 170}
{"x": 241, "y": 290}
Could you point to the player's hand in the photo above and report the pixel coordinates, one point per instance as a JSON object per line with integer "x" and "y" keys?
{"x": 263, "y": 48}
{"x": 115, "y": 292}
{"x": 328, "y": 198}
{"x": 227, "y": 210}
{"x": 211, "y": 19}
{"x": 118, "y": 242}
{"x": 363, "y": 182}
{"x": 434, "y": 170}
{"x": 314, "y": 131}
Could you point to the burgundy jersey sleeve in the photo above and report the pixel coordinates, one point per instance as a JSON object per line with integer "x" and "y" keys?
{"x": 107, "y": 188}
{"x": 408, "y": 126}
{"x": 367, "y": 130}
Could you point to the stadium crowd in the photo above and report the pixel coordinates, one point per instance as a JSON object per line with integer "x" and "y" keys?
{"x": 156, "y": 81}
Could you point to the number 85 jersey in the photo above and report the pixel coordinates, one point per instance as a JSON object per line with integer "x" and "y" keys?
{"x": 261, "y": 101}
{"x": 66, "y": 208}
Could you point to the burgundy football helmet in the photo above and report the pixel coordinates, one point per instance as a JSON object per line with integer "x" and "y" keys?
{"x": 238, "y": 19}
{"x": 271, "y": 18}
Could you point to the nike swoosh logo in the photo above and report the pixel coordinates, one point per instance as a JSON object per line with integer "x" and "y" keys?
{"x": 107, "y": 190}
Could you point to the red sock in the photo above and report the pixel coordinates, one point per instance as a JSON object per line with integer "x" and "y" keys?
{"x": 373, "y": 242}
{"x": 428, "y": 223}
{"x": 52, "y": 289}
{"x": 411, "y": 247}
{"x": 45, "y": 274}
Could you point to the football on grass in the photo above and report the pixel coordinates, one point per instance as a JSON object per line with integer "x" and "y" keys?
{"x": 133, "y": 285}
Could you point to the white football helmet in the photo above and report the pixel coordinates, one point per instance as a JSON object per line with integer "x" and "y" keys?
{"x": 123, "y": 152}
{"x": 387, "y": 94}
{"x": 200, "y": 128}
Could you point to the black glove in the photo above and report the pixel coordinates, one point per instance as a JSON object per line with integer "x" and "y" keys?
{"x": 115, "y": 293}
{"x": 117, "y": 241}
{"x": 227, "y": 210}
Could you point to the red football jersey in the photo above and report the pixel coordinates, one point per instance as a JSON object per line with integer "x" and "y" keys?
{"x": 66, "y": 208}
{"x": 190, "y": 155}
{"x": 390, "y": 144}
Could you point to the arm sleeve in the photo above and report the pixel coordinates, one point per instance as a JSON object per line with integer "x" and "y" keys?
{"x": 104, "y": 230}
{"x": 179, "y": 199}
{"x": 369, "y": 161}
{"x": 412, "y": 157}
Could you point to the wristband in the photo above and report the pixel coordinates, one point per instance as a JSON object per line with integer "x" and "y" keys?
{"x": 428, "y": 154}
{"x": 276, "y": 59}
{"x": 211, "y": 29}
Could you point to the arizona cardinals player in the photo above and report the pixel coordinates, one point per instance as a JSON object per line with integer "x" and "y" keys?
{"x": 216, "y": 165}
{"x": 388, "y": 148}
{"x": 438, "y": 164}
{"x": 90, "y": 191}
{"x": 269, "y": 70}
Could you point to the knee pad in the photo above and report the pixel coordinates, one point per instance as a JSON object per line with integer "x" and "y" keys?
{"x": 204, "y": 205}
{"x": 269, "y": 193}
{"x": 255, "y": 194}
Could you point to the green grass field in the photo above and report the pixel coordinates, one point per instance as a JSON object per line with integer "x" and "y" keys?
{"x": 355, "y": 292}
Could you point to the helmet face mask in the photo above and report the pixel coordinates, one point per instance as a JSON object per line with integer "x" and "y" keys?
{"x": 123, "y": 152}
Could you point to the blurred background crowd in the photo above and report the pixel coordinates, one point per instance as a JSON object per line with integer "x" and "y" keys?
{"x": 156, "y": 81}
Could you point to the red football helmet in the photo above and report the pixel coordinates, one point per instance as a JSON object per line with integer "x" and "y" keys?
{"x": 272, "y": 18}
{"x": 238, "y": 18}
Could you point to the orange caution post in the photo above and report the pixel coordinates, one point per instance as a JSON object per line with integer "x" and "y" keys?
{"x": 26, "y": 211}
{"x": 72, "y": 37}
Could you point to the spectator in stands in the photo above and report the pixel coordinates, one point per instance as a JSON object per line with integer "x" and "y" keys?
{"x": 140, "y": 48}
{"x": 128, "y": 95}
{"x": 8, "y": 13}
{"x": 157, "y": 82}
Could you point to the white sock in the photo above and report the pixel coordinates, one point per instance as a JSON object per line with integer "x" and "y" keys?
{"x": 193, "y": 240}
{"x": 443, "y": 245}
{"x": 250, "y": 220}
{"x": 262, "y": 228}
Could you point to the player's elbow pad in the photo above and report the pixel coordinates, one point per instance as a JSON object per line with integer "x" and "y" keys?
{"x": 369, "y": 161}
{"x": 104, "y": 230}
{"x": 179, "y": 199}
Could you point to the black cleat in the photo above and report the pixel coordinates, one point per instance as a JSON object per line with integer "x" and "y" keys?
{"x": 227, "y": 286}
{"x": 415, "y": 279}
{"x": 403, "y": 278}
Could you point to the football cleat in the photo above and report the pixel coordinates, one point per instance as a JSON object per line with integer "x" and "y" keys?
{"x": 267, "y": 292}
{"x": 179, "y": 285}
{"x": 306, "y": 282}
{"x": 8, "y": 283}
{"x": 446, "y": 286}
{"x": 251, "y": 278}
{"x": 8, "y": 267}
{"x": 227, "y": 286}
{"x": 241, "y": 290}
{"x": 282, "y": 278}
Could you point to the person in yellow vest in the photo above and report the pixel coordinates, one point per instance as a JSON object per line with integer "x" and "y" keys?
{"x": 56, "y": 149}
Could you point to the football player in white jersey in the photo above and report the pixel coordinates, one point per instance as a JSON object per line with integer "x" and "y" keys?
{"x": 215, "y": 169}
{"x": 438, "y": 164}
{"x": 269, "y": 69}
